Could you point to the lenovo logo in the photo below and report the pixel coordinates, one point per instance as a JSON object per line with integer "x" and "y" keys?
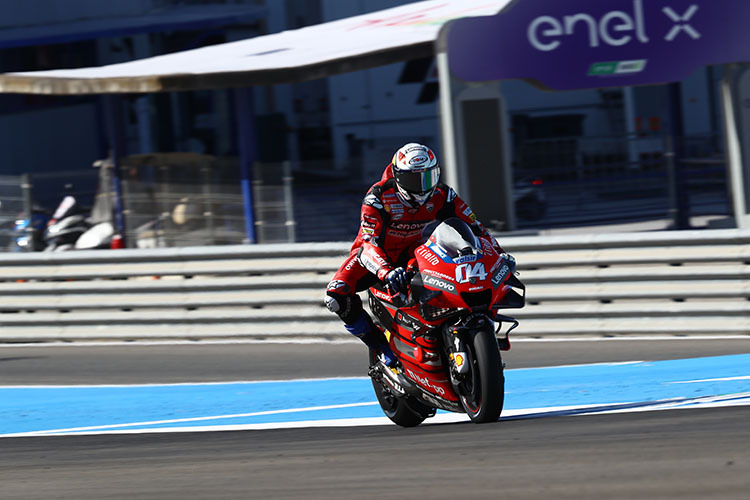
{"x": 614, "y": 28}
{"x": 438, "y": 283}
{"x": 405, "y": 226}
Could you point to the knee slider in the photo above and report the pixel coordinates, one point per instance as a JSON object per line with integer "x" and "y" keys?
{"x": 332, "y": 303}
{"x": 348, "y": 307}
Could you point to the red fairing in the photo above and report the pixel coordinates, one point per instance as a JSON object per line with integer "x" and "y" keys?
{"x": 464, "y": 280}
{"x": 423, "y": 364}
{"x": 472, "y": 282}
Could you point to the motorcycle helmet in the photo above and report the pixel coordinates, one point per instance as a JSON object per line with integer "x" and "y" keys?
{"x": 416, "y": 171}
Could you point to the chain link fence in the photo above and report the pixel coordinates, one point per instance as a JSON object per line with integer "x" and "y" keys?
{"x": 623, "y": 179}
{"x": 186, "y": 199}
{"x": 181, "y": 199}
{"x": 13, "y": 206}
{"x": 169, "y": 200}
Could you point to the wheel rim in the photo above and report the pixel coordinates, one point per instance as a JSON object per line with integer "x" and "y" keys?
{"x": 391, "y": 403}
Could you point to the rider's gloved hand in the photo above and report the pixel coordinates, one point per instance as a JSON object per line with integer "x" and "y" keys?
{"x": 396, "y": 278}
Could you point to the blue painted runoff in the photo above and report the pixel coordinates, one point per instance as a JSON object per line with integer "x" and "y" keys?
{"x": 34, "y": 409}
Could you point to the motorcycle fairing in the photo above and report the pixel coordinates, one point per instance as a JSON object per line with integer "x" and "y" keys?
{"x": 435, "y": 387}
{"x": 459, "y": 281}
{"x": 381, "y": 310}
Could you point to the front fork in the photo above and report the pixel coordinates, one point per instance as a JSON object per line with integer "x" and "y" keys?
{"x": 456, "y": 348}
{"x": 456, "y": 337}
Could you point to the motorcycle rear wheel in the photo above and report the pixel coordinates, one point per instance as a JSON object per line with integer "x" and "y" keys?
{"x": 483, "y": 392}
{"x": 397, "y": 409}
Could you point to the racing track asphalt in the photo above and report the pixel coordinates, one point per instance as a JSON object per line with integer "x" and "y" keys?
{"x": 684, "y": 454}
{"x": 205, "y": 362}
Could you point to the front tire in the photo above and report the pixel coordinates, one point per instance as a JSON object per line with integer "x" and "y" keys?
{"x": 483, "y": 392}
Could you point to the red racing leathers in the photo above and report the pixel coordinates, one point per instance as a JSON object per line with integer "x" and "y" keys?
{"x": 390, "y": 231}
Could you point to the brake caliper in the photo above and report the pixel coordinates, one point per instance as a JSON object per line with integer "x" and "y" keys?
{"x": 456, "y": 351}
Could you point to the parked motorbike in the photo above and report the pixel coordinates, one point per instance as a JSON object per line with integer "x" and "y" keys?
{"x": 443, "y": 329}
{"x": 71, "y": 228}
{"x": 67, "y": 224}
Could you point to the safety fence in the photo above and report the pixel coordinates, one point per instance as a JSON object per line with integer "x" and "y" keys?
{"x": 604, "y": 180}
{"x": 187, "y": 199}
{"x": 168, "y": 200}
{"x": 666, "y": 283}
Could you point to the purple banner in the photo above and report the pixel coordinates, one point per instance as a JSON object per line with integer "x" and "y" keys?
{"x": 571, "y": 44}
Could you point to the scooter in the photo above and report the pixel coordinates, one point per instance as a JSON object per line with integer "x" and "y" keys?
{"x": 71, "y": 229}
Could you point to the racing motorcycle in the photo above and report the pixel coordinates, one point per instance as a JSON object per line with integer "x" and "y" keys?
{"x": 446, "y": 330}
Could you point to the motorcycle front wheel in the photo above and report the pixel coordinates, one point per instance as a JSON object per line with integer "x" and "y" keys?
{"x": 396, "y": 409}
{"x": 482, "y": 393}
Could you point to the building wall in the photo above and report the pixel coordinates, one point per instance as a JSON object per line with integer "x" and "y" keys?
{"x": 165, "y": 122}
{"x": 35, "y": 140}
{"x": 357, "y": 119}
{"x": 44, "y": 12}
{"x": 372, "y": 112}
{"x": 699, "y": 96}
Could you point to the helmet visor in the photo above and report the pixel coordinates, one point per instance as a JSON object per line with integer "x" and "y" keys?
{"x": 417, "y": 181}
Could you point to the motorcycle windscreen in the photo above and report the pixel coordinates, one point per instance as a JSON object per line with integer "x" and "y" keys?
{"x": 455, "y": 238}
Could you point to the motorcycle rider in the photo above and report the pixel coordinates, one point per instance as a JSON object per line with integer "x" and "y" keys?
{"x": 394, "y": 212}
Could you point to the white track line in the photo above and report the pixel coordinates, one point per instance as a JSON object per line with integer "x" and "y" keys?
{"x": 177, "y": 384}
{"x": 725, "y": 379}
{"x": 742, "y": 399}
{"x": 199, "y": 419}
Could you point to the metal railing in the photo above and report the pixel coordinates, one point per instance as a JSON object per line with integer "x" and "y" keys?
{"x": 661, "y": 283}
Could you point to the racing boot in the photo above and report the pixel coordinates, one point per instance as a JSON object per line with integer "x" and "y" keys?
{"x": 373, "y": 338}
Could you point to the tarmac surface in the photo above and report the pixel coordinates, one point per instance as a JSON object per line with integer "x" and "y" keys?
{"x": 667, "y": 454}
{"x": 130, "y": 363}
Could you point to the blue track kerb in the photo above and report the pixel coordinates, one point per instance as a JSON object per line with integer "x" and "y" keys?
{"x": 27, "y": 409}
{"x": 604, "y": 384}
{"x": 50, "y": 409}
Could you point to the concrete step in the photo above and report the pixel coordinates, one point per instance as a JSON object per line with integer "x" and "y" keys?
{"x": 333, "y": 329}
{"x": 223, "y": 267}
{"x": 282, "y": 314}
{"x": 149, "y": 284}
{"x": 193, "y": 297}
{"x": 527, "y": 260}
{"x": 165, "y": 300}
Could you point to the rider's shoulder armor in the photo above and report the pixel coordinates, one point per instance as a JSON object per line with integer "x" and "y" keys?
{"x": 450, "y": 194}
{"x": 374, "y": 197}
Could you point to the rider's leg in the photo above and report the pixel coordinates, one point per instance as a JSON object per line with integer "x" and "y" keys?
{"x": 342, "y": 299}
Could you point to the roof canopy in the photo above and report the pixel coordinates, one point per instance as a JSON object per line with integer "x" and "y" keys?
{"x": 355, "y": 43}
